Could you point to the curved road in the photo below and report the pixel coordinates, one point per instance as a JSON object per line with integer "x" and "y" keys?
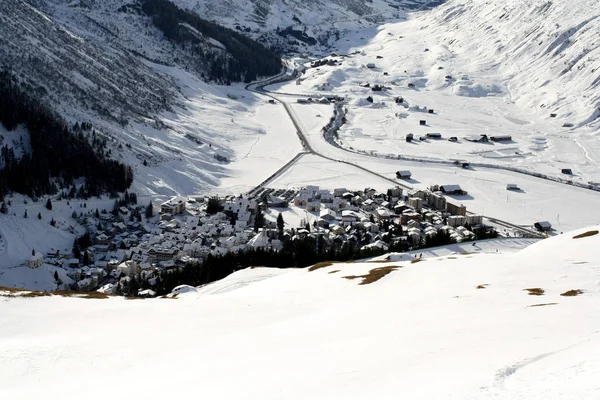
{"x": 258, "y": 88}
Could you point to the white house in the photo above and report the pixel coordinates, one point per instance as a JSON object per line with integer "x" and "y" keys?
{"x": 175, "y": 205}
{"x": 128, "y": 268}
{"x": 35, "y": 260}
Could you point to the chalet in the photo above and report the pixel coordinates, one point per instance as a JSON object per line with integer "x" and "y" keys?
{"x": 124, "y": 211}
{"x": 453, "y": 139}
{"x": 512, "y": 186}
{"x": 543, "y": 226}
{"x": 371, "y": 65}
{"x": 174, "y": 206}
{"x": 399, "y": 100}
{"x": 431, "y": 111}
{"x": 271, "y": 101}
{"x": 409, "y": 137}
{"x": 324, "y": 100}
{"x": 433, "y": 135}
{"x": 566, "y": 171}
{"x": 501, "y": 138}
{"x": 452, "y": 189}
{"x": 422, "y": 122}
{"x": 405, "y": 174}
{"x": 553, "y": 115}
{"x": 302, "y": 101}
{"x": 411, "y": 85}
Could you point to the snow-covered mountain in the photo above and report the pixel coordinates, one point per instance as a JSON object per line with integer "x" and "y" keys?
{"x": 464, "y": 326}
{"x": 548, "y": 50}
{"x": 302, "y": 24}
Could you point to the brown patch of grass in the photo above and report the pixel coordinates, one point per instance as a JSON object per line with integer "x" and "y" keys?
{"x": 572, "y": 293}
{"x": 580, "y": 262}
{"x": 451, "y": 258}
{"x": 13, "y": 292}
{"x": 543, "y": 304}
{"x": 374, "y": 275}
{"x": 466, "y": 253}
{"x": 334, "y": 271}
{"x": 482, "y": 286}
{"x": 416, "y": 260}
{"x": 29, "y": 294}
{"x": 379, "y": 261}
{"x": 80, "y": 295}
{"x": 535, "y": 291}
{"x": 322, "y": 264}
{"x": 585, "y": 234}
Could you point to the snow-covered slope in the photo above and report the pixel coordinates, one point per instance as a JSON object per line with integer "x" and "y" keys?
{"x": 548, "y": 50}
{"x": 314, "y": 22}
{"x": 459, "y": 326}
{"x": 481, "y": 67}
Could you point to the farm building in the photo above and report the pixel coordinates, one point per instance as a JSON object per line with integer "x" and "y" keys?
{"x": 303, "y": 101}
{"x": 452, "y": 189}
{"x": 434, "y": 135}
{"x": 371, "y": 65}
{"x": 567, "y": 171}
{"x": 409, "y": 137}
{"x": 501, "y": 138}
{"x": 431, "y": 111}
{"x": 403, "y": 174}
{"x": 422, "y": 122}
{"x": 477, "y": 139}
{"x": 512, "y": 186}
{"x": 543, "y": 226}
{"x": 453, "y": 139}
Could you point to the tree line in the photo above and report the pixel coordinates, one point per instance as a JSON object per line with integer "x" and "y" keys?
{"x": 247, "y": 59}
{"x": 60, "y": 154}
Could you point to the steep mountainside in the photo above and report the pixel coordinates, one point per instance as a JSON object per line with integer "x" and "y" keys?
{"x": 302, "y": 24}
{"x": 144, "y": 75}
{"x": 549, "y": 50}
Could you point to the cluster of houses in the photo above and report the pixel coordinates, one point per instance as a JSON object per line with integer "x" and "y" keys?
{"x": 184, "y": 231}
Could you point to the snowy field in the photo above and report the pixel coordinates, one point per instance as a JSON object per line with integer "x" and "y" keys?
{"x": 297, "y": 334}
{"x": 474, "y": 89}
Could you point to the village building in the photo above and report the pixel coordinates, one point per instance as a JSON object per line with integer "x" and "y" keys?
{"x": 35, "y": 260}
{"x": 175, "y": 205}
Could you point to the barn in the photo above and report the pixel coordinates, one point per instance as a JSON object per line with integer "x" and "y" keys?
{"x": 501, "y": 138}
{"x": 452, "y": 189}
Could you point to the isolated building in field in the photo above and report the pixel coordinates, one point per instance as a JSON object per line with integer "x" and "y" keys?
{"x": 452, "y": 189}
{"x": 543, "y": 226}
{"x": 434, "y": 135}
{"x": 405, "y": 174}
{"x": 567, "y": 171}
{"x": 501, "y": 138}
{"x": 512, "y": 186}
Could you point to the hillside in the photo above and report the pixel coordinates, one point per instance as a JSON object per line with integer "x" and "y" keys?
{"x": 463, "y": 321}
{"x": 154, "y": 99}
{"x": 467, "y": 69}
{"x": 301, "y": 25}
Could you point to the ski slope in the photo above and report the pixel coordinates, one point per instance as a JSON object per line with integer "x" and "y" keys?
{"x": 424, "y": 330}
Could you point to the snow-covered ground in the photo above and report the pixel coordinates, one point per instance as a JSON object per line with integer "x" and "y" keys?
{"x": 425, "y": 330}
{"x": 494, "y": 68}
